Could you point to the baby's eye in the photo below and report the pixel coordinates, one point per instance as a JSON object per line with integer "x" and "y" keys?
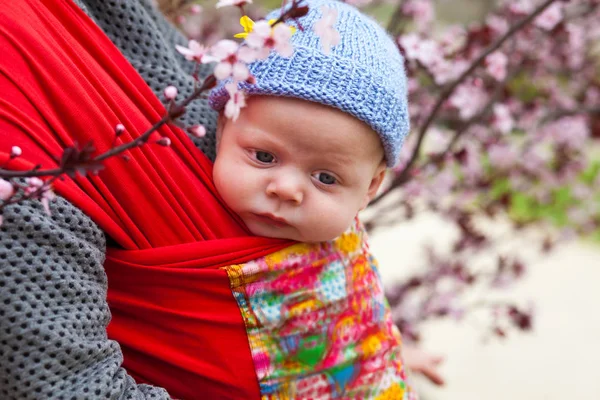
{"x": 264, "y": 157}
{"x": 325, "y": 178}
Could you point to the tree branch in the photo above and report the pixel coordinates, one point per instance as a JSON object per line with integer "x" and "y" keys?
{"x": 173, "y": 112}
{"x": 405, "y": 174}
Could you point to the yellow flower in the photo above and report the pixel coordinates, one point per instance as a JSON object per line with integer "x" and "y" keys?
{"x": 348, "y": 242}
{"x": 371, "y": 345}
{"x": 296, "y": 250}
{"x": 396, "y": 391}
{"x": 248, "y": 26}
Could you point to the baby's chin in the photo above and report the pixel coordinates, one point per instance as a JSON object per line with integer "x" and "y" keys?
{"x": 291, "y": 233}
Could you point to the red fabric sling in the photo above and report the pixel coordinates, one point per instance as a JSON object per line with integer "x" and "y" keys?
{"x": 63, "y": 81}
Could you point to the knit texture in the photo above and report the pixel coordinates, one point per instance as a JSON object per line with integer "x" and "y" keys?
{"x": 53, "y": 310}
{"x": 363, "y": 75}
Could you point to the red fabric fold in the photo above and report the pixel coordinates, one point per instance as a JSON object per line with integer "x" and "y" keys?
{"x": 64, "y": 82}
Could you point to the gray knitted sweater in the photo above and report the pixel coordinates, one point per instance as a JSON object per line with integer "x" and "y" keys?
{"x": 53, "y": 310}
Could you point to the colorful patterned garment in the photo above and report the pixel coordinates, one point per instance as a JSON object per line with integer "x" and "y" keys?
{"x": 318, "y": 323}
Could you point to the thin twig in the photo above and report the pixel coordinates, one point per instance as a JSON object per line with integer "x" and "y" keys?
{"x": 173, "y": 112}
{"x": 404, "y": 176}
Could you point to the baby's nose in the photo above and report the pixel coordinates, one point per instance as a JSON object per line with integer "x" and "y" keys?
{"x": 286, "y": 189}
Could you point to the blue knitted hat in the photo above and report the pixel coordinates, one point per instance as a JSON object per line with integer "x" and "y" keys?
{"x": 363, "y": 75}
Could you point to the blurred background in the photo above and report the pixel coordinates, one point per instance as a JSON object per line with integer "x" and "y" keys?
{"x": 488, "y": 231}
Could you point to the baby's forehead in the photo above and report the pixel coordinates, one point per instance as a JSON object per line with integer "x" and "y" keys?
{"x": 309, "y": 127}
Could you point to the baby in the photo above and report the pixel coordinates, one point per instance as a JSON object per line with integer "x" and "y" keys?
{"x": 309, "y": 152}
{"x": 310, "y": 149}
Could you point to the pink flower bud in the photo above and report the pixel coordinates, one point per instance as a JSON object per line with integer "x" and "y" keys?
{"x": 196, "y": 9}
{"x": 198, "y": 131}
{"x": 33, "y": 184}
{"x": 164, "y": 141}
{"x": 120, "y": 128}
{"x": 6, "y": 189}
{"x": 15, "y": 151}
{"x": 170, "y": 92}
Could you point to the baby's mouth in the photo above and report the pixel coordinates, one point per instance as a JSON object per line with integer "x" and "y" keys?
{"x": 271, "y": 220}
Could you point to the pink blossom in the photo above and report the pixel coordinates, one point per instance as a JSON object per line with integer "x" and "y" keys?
{"x": 581, "y": 192}
{"x": 237, "y": 3}
{"x": 15, "y": 151}
{"x": 233, "y": 60}
{"x": 550, "y": 17}
{"x": 518, "y": 181}
{"x": 265, "y": 37}
{"x": 496, "y": 65}
{"x": 502, "y": 156}
{"x": 429, "y": 53}
{"x": 412, "y": 189}
{"x": 195, "y": 52}
{"x": 577, "y": 45}
{"x": 236, "y": 102}
{"x": 46, "y": 195}
{"x": 33, "y": 184}
{"x": 421, "y": 11}
{"x": 119, "y": 129}
{"x": 198, "y": 131}
{"x": 410, "y": 44}
{"x": 452, "y": 39}
{"x": 529, "y": 118}
{"x": 170, "y": 92}
{"x": 520, "y": 7}
{"x": 446, "y": 71}
{"x": 6, "y": 189}
{"x": 577, "y": 38}
{"x": 164, "y": 141}
{"x": 442, "y": 183}
{"x": 592, "y": 96}
{"x": 536, "y": 158}
{"x": 559, "y": 98}
{"x": 593, "y": 31}
{"x": 498, "y": 24}
{"x": 426, "y": 51}
{"x": 413, "y": 85}
{"x": 569, "y": 131}
{"x": 436, "y": 141}
{"x": 196, "y": 9}
{"x": 466, "y": 199}
{"x": 468, "y": 99}
{"x": 325, "y": 30}
{"x": 502, "y": 120}
{"x": 444, "y": 303}
{"x": 472, "y": 166}
{"x": 481, "y": 133}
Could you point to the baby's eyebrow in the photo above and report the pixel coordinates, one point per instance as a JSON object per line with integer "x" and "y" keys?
{"x": 340, "y": 159}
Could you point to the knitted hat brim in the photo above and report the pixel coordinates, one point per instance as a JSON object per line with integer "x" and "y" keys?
{"x": 312, "y": 79}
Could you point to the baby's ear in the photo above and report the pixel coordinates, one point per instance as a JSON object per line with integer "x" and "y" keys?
{"x": 376, "y": 182}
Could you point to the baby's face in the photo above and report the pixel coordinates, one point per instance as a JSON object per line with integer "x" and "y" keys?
{"x": 295, "y": 169}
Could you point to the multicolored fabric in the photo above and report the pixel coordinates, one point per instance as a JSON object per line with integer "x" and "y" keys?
{"x": 318, "y": 323}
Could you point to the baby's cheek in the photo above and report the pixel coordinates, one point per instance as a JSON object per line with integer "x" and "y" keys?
{"x": 333, "y": 219}
{"x": 226, "y": 181}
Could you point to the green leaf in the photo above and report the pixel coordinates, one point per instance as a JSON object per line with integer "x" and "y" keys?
{"x": 499, "y": 188}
